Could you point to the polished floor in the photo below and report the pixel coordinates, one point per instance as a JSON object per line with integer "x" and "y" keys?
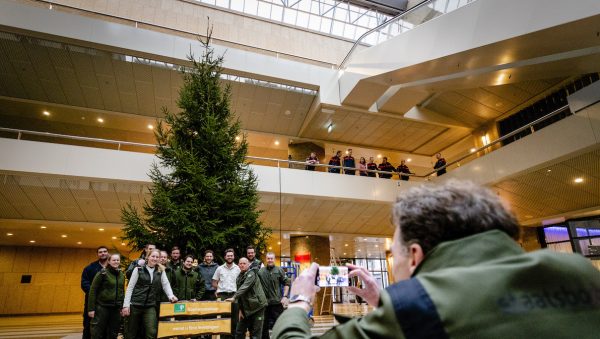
{"x": 69, "y": 326}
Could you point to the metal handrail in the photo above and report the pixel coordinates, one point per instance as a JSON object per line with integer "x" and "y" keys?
{"x": 129, "y": 143}
{"x": 513, "y": 133}
{"x": 358, "y": 41}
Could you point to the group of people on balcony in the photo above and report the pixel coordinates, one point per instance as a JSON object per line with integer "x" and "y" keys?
{"x": 348, "y": 166}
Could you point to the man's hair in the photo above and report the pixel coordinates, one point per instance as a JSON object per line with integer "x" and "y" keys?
{"x": 101, "y": 247}
{"x": 175, "y": 248}
{"x": 165, "y": 252}
{"x": 270, "y": 253}
{"x": 240, "y": 259}
{"x": 209, "y": 251}
{"x": 188, "y": 256}
{"x": 429, "y": 215}
{"x": 250, "y": 248}
{"x": 229, "y": 250}
{"x": 148, "y": 245}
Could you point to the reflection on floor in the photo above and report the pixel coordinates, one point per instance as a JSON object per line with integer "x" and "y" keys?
{"x": 69, "y": 326}
{"x": 66, "y": 326}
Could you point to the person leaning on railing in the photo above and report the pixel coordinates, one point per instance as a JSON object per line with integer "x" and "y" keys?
{"x": 385, "y": 166}
{"x": 311, "y": 160}
{"x": 335, "y": 161}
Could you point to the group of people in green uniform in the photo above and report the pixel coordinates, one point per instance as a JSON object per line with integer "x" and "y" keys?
{"x": 258, "y": 292}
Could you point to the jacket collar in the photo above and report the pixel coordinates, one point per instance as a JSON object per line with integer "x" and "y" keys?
{"x": 469, "y": 251}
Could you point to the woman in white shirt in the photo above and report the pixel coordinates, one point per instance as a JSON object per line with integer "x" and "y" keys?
{"x": 142, "y": 295}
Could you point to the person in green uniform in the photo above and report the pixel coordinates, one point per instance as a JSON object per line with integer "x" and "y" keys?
{"x": 252, "y": 301}
{"x": 460, "y": 273}
{"x": 272, "y": 279}
{"x": 252, "y": 259}
{"x": 190, "y": 285}
{"x": 141, "y": 297}
{"x": 106, "y": 299}
{"x": 170, "y": 273}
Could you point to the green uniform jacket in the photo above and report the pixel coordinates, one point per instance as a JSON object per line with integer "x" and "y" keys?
{"x": 482, "y": 286}
{"x": 108, "y": 289}
{"x": 190, "y": 285}
{"x": 170, "y": 272}
{"x": 250, "y": 294}
{"x": 272, "y": 278}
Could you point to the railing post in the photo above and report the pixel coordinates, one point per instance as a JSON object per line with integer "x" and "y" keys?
{"x": 118, "y": 146}
{"x": 531, "y": 129}
{"x": 19, "y": 136}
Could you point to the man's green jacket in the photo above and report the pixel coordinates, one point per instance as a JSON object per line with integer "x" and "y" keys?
{"x": 272, "y": 278}
{"x": 189, "y": 285}
{"x": 481, "y": 286}
{"x": 250, "y": 294}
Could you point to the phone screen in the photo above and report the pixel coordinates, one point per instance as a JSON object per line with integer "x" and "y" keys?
{"x": 332, "y": 276}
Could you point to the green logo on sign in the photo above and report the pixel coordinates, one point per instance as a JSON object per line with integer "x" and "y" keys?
{"x": 179, "y": 308}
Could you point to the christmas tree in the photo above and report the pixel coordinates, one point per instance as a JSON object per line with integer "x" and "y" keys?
{"x": 205, "y": 196}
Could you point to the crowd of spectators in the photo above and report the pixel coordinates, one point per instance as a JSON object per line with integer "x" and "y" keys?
{"x": 347, "y": 165}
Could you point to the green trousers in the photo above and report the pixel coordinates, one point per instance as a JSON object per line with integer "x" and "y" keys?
{"x": 142, "y": 320}
{"x": 105, "y": 323}
{"x": 253, "y": 323}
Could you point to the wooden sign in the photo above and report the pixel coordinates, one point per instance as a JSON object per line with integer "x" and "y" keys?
{"x": 191, "y": 308}
{"x": 193, "y": 327}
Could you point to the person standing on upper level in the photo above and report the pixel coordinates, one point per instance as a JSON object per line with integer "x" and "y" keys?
{"x": 310, "y": 161}
{"x": 403, "y": 171}
{"x": 335, "y": 161}
{"x": 441, "y": 162}
{"x": 385, "y": 166}
{"x": 362, "y": 166}
{"x": 372, "y": 166}
{"x": 349, "y": 162}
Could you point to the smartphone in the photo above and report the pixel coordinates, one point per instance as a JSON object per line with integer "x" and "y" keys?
{"x": 332, "y": 276}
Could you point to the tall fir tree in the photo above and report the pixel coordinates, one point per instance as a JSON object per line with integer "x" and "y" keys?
{"x": 205, "y": 197}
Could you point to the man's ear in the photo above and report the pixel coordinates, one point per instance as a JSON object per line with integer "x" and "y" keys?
{"x": 416, "y": 256}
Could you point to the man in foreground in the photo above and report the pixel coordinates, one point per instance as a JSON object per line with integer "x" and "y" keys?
{"x": 251, "y": 298}
{"x": 461, "y": 274}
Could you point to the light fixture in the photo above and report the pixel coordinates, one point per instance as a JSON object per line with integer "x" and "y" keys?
{"x": 32, "y": 241}
{"x": 9, "y": 234}
{"x": 379, "y": 156}
{"x": 365, "y": 239}
{"x": 359, "y": 250}
{"x": 270, "y": 248}
{"x": 329, "y": 128}
{"x": 344, "y": 253}
{"x": 46, "y": 113}
{"x": 279, "y": 243}
{"x": 276, "y": 142}
{"x": 346, "y": 245}
{"x": 101, "y": 229}
{"x": 408, "y": 160}
{"x": 472, "y": 150}
{"x": 100, "y": 120}
{"x": 376, "y": 245}
{"x": 287, "y": 112}
{"x": 43, "y": 227}
{"x": 237, "y": 138}
{"x": 150, "y": 126}
{"x": 549, "y": 170}
{"x": 122, "y": 244}
{"x": 114, "y": 238}
{"x": 79, "y": 243}
{"x": 63, "y": 236}
{"x": 578, "y": 180}
{"x": 347, "y": 152}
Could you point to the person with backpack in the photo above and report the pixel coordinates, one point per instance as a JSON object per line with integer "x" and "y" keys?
{"x": 105, "y": 300}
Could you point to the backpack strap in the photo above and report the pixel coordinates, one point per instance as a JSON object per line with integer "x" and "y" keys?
{"x": 415, "y": 310}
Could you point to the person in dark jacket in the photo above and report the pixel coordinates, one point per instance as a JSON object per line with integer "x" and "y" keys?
{"x": 105, "y": 300}
{"x": 170, "y": 272}
{"x": 190, "y": 285}
{"x": 141, "y": 261}
{"x": 373, "y": 167}
{"x": 385, "y": 166}
{"x": 403, "y": 169}
{"x": 141, "y": 297}
{"x": 311, "y": 160}
{"x": 441, "y": 162}
{"x": 87, "y": 276}
{"x": 335, "y": 161}
{"x": 349, "y": 162}
{"x": 272, "y": 279}
{"x": 252, "y": 301}
{"x": 175, "y": 261}
{"x": 251, "y": 256}
{"x": 207, "y": 270}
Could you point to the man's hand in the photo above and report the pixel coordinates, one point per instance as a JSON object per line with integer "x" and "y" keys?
{"x": 305, "y": 285}
{"x": 91, "y": 314}
{"x": 173, "y": 299}
{"x": 284, "y": 302}
{"x": 141, "y": 262}
{"x": 370, "y": 289}
{"x": 125, "y": 312}
{"x": 230, "y": 299}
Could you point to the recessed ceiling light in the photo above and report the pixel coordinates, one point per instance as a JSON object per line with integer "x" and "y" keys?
{"x": 329, "y": 128}
{"x": 46, "y": 113}
{"x": 365, "y": 239}
{"x": 379, "y": 156}
{"x": 101, "y": 229}
{"x": 346, "y": 245}
{"x": 100, "y": 120}
{"x": 122, "y": 244}
{"x": 43, "y": 227}
{"x": 287, "y": 112}
{"x": 32, "y": 241}
{"x": 279, "y": 243}
{"x": 276, "y": 142}
{"x": 63, "y": 236}
{"x": 9, "y": 234}
{"x": 79, "y": 243}
{"x": 359, "y": 250}
{"x": 237, "y": 138}
{"x": 578, "y": 180}
{"x": 270, "y": 248}
{"x": 472, "y": 150}
{"x": 549, "y": 170}
{"x": 408, "y": 160}
{"x": 150, "y": 126}
{"x": 376, "y": 245}
{"x": 344, "y": 253}
{"x": 114, "y": 238}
